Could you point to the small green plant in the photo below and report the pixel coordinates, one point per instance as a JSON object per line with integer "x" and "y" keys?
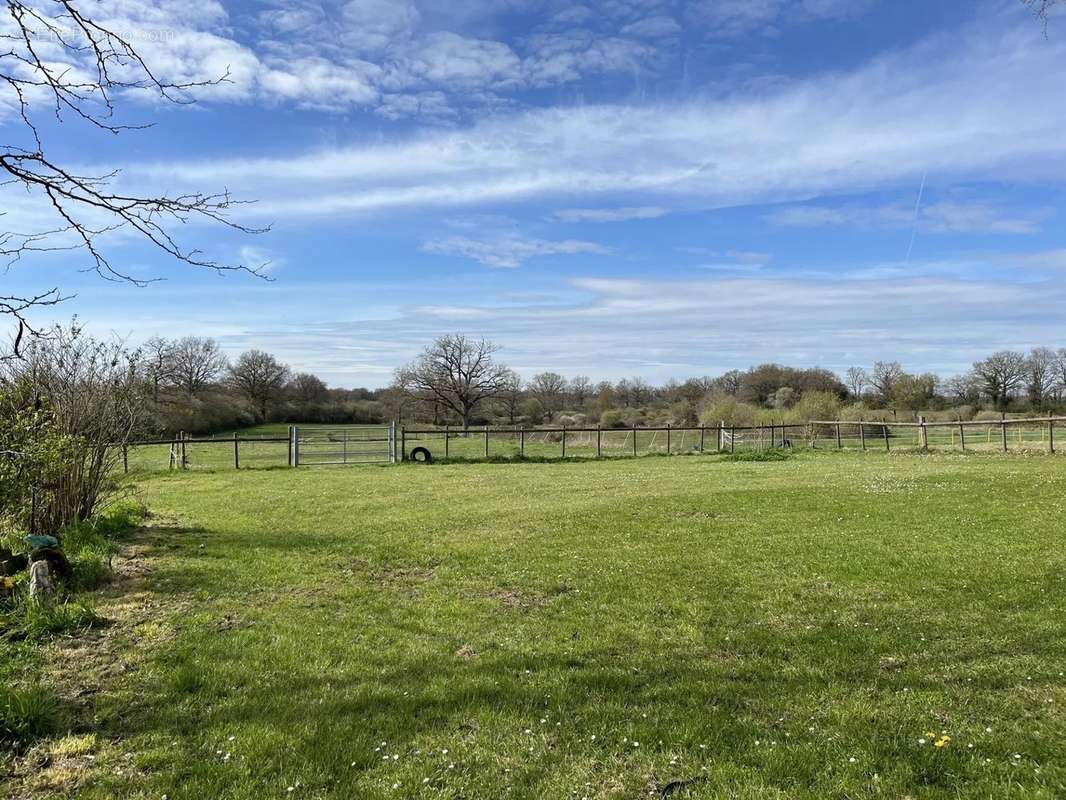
{"x": 25, "y": 715}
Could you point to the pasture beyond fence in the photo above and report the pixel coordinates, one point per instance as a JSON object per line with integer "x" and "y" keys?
{"x": 320, "y": 445}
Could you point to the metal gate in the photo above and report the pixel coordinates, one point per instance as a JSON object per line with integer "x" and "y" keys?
{"x": 327, "y": 446}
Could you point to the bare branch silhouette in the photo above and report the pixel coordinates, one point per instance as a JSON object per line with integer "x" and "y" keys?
{"x": 98, "y": 66}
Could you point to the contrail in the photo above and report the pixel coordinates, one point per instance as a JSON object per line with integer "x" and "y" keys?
{"x": 914, "y": 226}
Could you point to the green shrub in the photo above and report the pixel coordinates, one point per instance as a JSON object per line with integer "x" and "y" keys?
{"x": 25, "y": 715}
{"x": 612, "y": 418}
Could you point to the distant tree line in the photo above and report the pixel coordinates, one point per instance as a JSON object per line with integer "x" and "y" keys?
{"x": 192, "y": 386}
{"x": 189, "y": 384}
{"x": 459, "y": 380}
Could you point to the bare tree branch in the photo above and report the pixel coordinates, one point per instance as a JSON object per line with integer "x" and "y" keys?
{"x": 96, "y": 67}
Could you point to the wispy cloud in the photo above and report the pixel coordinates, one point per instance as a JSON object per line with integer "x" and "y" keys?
{"x": 509, "y": 251}
{"x": 609, "y": 214}
{"x": 829, "y": 134}
{"x": 941, "y": 217}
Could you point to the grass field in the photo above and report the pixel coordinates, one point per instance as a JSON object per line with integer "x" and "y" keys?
{"x": 685, "y": 627}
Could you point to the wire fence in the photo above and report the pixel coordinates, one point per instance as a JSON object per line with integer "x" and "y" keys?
{"x": 238, "y": 451}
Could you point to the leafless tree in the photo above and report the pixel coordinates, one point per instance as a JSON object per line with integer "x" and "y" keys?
{"x": 883, "y": 378}
{"x": 856, "y": 379}
{"x": 550, "y": 389}
{"x": 56, "y": 60}
{"x": 308, "y": 388}
{"x": 458, "y": 372}
{"x": 1001, "y": 375}
{"x": 580, "y": 389}
{"x": 728, "y": 382}
{"x": 511, "y": 396}
{"x": 196, "y": 362}
{"x": 1060, "y": 372}
{"x": 157, "y": 358}
{"x": 260, "y": 378}
{"x": 1040, "y": 376}
{"x": 964, "y": 389}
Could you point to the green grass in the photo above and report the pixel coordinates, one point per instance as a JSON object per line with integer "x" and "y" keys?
{"x": 697, "y": 627}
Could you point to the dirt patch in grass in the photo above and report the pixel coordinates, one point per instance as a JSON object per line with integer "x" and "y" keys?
{"x": 82, "y": 666}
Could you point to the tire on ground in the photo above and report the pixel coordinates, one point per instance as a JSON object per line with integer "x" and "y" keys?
{"x": 422, "y": 455}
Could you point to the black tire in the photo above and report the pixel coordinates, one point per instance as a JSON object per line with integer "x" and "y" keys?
{"x": 422, "y": 455}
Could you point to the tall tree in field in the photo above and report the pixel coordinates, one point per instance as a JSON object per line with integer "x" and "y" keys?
{"x": 1001, "y": 375}
{"x": 260, "y": 378}
{"x": 58, "y": 63}
{"x": 580, "y": 389}
{"x": 1060, "y": 372}
{"x": 1040, "y": 376}
{"x": 195, "y": 362}
{"x": 856, "y": 380}
{"x": 308, "y": 388}
{"x": 550, "y": 389}
{"x": 883, "y": 378}
{"x": 458, "y": 372}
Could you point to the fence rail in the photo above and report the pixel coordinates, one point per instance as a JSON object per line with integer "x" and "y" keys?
{"x": 362, "y": 444}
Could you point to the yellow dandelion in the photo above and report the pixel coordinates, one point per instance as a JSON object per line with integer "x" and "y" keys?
{"x": 939, "y": 743}
{"x": 929, "y": 734}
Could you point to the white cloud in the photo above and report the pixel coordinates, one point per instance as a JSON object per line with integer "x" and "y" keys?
{"x": 941, "y": 217}
{"x": 734, "y": 18}
{"x": 653, "y": 27}
{"x": 609, "y": 214}
{"x": 509, "y": 250}
{"x": 973, "y": 106}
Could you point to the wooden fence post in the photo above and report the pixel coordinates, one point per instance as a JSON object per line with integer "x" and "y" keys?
{"x": 884, "y": 430}
{"x": 721, "y": 433}
{"x": 290, "y": 445}
{"x": 1003, "y": 429}
{"x": 634, "y": 440}
{"x": 840, "y": 445}
{"x": 599, "y": 442}
{"x": 862, "y": 433}
{"x": 236, "y": 451}
{"x": 923, "y": 434}
{"x": 486, "y": 441}
{"x": 1050, "y": 432}
{"x": 703, "y": 436}
{"x": 183, "y": 452}
{"x": 403, "y": 443}
{"x": 564, "y": 441}
{"x": 732, "y": 438}
{"x": 522, "y": 443}
{"x": 962, "y": 436}
{"x": 668, "y": 439}
{"x": 447, "y": 436}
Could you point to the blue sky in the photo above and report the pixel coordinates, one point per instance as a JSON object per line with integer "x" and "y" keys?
{"x": 632, "y": 187}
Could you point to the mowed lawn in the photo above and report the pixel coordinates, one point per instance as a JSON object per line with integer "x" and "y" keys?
{"x": 682, "y": 627}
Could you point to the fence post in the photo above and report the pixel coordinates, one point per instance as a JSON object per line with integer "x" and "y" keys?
{"x": 1050, "y": 432}
{"x": 721, "y": 433}
{"x": 773, "y": 440}
{"x": 862, "y": 433}
{"x": 668, "y": 439}
{"x": 290, "y": 445}
{"x": 403, "y": 443}
{"x": 486, "y": 441}
{"x": 732, "y": 438}
{"x": 925, "y": 432}
{"x": 183, "y": 452}
{"x": 599, "y": 442}
{"x": 296, "y": 445}
{"x": 1003, "y": 428}
{"x": 703, "y": 436}
{"x": 962, "y": 436}
{"x": 564, "y": 441}
{"x": 884, "y": 429}
{"x": 447, "y": 436}
{"x": 126, "y": 458}
{"x": 236, "y": 451}
{"x": 522, "y": 443}
{"x": 839, "y": 443}
{"x": 634, "y": 440}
